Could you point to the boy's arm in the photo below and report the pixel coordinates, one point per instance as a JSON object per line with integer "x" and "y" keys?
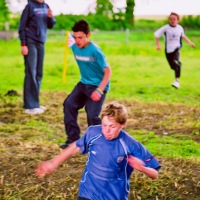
{"x": 157, "y": 43}
{"x": 139, "y": 165}
{"x": 49, "y": 166}
{"x": 188, "y": 41}
{"x": 96, "y": 95}
{"x": 106, "y": 78}
{"x": 51, "y": 21}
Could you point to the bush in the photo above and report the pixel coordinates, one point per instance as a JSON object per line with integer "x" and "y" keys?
{"x": 191, "y": 22}
{"x": 65, "y": 22}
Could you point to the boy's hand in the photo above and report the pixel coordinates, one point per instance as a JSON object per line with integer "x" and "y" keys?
{"x": 95, "y": 96}
{"x": 24, "y": 50}
{"x": 192, "y": 44}
{"x": 50, "y": 14}
{"x": 158, "y": 47}
{"x": 44, "y": 168}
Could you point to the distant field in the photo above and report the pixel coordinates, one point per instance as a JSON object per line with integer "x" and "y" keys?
{"x": 138, "y": 70}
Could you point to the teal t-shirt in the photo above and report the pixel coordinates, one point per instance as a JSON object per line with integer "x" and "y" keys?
{"x": 91, "y": 62}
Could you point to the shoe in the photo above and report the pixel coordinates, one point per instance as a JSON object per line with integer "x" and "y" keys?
{"x": 176, "y": 84}
{"x": 43, "y": 108}
{"x": 65, "y": 145}
{"x": 33, "y": 111}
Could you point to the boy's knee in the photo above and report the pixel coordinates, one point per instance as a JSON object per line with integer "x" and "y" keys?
{"x": 177, "y": 63}
{"x": 67, "y": 105}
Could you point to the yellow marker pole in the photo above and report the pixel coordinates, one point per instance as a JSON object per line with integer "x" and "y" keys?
{"x": 65, "y": 59}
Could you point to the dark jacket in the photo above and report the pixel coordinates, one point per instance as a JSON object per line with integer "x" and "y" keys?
{"x": 34, "y": 22}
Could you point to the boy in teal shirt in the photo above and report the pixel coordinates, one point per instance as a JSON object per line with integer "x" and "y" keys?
{"x": 91, "y": 91}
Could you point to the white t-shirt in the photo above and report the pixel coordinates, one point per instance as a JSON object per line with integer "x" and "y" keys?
{"x": 173, "y": 36}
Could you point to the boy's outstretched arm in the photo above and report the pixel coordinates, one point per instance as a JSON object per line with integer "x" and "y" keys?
{"x": 188, "y": 41}
{"x": 140, "y": 166}
{"x": 49, "y": 166}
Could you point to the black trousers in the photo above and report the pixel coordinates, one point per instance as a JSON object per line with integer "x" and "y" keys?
{"x": 79, "y": 98}
{"x": 175, "y": 64}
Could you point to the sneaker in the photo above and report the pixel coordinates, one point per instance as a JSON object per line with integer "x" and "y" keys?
{"x": 34, "y": 111}
{"x": 176, "y": 84}
{"x": 65, "y": 145}
{"x": 43, "y": 108}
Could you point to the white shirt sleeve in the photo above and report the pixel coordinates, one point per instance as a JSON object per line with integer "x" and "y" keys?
{"x": 158, "y": 33}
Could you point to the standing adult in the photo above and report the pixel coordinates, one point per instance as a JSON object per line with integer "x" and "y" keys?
{"x": 36, "y": 18}
{"x": 91, "y": 91}
{"x": 174, "y": 33}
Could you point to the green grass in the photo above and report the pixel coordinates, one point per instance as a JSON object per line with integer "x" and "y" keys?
{"x": 165, "y": 120}
{"x": 178, "y": 146}
{"x": 138, "y": 70}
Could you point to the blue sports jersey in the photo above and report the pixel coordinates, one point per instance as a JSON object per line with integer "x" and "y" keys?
{"x": 107, "y": 172}
{"x": 91, "y": 62}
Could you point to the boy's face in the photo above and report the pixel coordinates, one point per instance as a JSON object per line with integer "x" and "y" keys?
{"x": 111, "y": 128}
{"x": 81, "y": 39}
{"x": 173, "y": 20}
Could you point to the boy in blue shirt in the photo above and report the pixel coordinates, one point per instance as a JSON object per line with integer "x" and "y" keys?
{"x": 112, "y": 156}
{"x": 91, "y": 91}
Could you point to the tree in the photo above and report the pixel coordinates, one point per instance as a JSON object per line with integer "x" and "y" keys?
{"x": 4, "y": 14}
{"x": 104, "y": 7}
{"x": 129, "y": 16}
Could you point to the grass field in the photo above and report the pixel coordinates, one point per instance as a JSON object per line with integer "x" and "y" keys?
{"x": 143, "y": 72}
{"x": 165, "y": 120}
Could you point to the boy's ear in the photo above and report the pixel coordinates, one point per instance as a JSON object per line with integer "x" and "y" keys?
{"x": 123, "y": 125}
{"x": 89, "y": 34}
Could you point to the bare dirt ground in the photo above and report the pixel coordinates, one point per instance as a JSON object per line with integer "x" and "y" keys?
{"x": 20, "y": 152}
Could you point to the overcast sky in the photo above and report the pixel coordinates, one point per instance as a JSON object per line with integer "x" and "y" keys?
{"x": 143, "y": 7}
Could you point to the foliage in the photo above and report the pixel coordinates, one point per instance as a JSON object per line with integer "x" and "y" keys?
{"x": 100, "y": 22}
{"x": 129, "y": 18}
{"x": 104, "y": 8}
{"x": 191, "y": 22}
{"x": 4, "y": 14}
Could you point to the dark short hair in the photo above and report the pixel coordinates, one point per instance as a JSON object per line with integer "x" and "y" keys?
{"x": 82, "y": 26}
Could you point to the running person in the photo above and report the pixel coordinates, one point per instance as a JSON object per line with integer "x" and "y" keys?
{"x": 173, "y": 33}
{"x": 112, "y": 156}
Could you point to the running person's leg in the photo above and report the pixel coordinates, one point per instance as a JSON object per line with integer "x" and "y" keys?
{"x": 75, "y": 101}
{"x": 175, "y": 64}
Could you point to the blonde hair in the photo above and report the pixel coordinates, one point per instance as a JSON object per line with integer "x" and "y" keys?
{"x": 115, "y": 110}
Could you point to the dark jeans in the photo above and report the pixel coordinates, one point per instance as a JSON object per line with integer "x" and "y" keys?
{"x": 33, "y": 73}
{"x": 175, "y": 64}
{"x": 80, "y": 97}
